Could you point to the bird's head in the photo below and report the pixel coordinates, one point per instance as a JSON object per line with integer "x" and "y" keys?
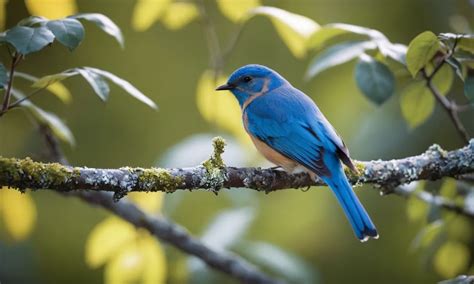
{"x": 252, "y": 80}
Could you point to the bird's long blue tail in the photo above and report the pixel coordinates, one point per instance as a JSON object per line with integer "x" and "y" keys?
{"x": 355, "y": 212}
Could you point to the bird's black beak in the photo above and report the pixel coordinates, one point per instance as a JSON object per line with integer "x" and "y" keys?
{"x": 224, "y": 87}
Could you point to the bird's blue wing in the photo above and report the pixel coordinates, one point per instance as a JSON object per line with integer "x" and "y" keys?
{"x": 288, "y": 129}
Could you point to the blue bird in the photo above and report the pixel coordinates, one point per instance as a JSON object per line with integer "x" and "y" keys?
{"x": 289, "y": 130}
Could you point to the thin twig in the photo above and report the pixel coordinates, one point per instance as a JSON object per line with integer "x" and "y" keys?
{"x": 19, "y": 101}
{"x": 435, "y": 200}
{"x": 213, "y": 44}
{"x": 449, "y": 106}
{"x": 6, "y": 100}
{"x": 233, "y": 41}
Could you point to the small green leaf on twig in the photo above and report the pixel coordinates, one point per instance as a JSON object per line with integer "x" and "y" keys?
{"x": 421, "y": 50}
{"x": 27, "y": 40}
{"x": 336, "y": 55}
{"x": 69, "y": 32}
{"x": 104, "y": 23}
{"x": 374, "y": 79}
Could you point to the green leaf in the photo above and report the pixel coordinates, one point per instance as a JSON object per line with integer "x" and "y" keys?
{"x": 374, "y": 79}
{"x": 293, "y": 29}
{"x": 33, "y": 21}
{"x": 328, "y": 32}
{"x": 443, "y": 79}
{"x": 104, "y": 23}
{"x": 459, "y": 227}
{"x": 417, "y": 103}
{"x": 421, "y": 50}
{"x": 59, "y": 129}
{"x": 323, "y": 35}
{"x": 466, "y": 43}
{"x": 428, "y": 234}
{"x": 69, "y": 32}
{"x": 45, "y": 81}
{"x": 453, "y": 62}
{"x": 27, "y": 40}
{"x": 469, "y": 85}
{"x": 449, "y": 188}
{"x": 336, "y": 55}
{"x": 57, "y": 88}
{"x": 416, "y": 209}
{"x": 451, "y": 259}
{"x": 3, "y": 76}
{"x": 395, "y": 51}
{"x": 97, "y": 82}
{"x": 236, "y": 10}
{"x": 129, "y": 88}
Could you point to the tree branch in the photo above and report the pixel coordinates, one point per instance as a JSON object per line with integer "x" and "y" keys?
{"x": 16, "y": 58}
{"x": 434, "y": 164}
{"x": 448, "y": 105}
{"x": 161, "y": 227}
{"x": 178, "y": 237}
{"x": 435, "y": 200}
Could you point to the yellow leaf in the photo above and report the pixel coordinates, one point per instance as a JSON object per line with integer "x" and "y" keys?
{"x": 139, "y": 261}
{"x": 220, "y": 108}
{"x": 155, "y": 267}
{"x": 459, "y": 228}
{"x": 294, "y": 41}
{"x": 451, "y": 259}
{"x": 106, "y": 239}
{"x": 416, "y": 209}
{"x": 3, "y": 14}
{"x": 51, "y": 9}
{"x": 295, "y": 30}
{"x": 147, "y": 12}
{"x": 127, "y": 266}
{"x": 18, "y": 213}
{"x": 417, "y": 103}
{"x": 60, "y": 91}
{"x": 179, "y": 14}
{"x": 149, "y": 201}
{"x": 448, "y": 189}
{"x": 236, "y": 10}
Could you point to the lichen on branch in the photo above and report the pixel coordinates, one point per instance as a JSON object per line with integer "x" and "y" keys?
{"x": 434, "y": 164}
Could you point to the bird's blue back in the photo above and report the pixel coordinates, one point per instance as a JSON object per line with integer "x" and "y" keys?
{"x": 290, "y": 123}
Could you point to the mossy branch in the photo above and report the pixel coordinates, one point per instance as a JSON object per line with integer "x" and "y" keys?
{"x": 434, "y": 164}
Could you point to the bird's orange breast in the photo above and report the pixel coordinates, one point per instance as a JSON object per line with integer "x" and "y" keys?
{"x": 270, "y": 154}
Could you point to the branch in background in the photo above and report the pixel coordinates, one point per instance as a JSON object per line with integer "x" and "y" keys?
{"x": 163, "y": 229}
{"x": 16, "y": 58}
{"x": 434, "y": 164}
{"x": 449, "y": 106}
{"x": 461, "y": 279}
{"x": 438, "y": 201}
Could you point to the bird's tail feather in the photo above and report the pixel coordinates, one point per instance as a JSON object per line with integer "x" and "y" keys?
{"x": 355, "y": 212}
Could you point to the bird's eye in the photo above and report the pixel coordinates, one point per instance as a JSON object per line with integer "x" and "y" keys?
{"x": 247, "y": 79}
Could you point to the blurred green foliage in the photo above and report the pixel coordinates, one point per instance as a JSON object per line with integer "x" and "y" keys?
{"x": 172, "y": 57}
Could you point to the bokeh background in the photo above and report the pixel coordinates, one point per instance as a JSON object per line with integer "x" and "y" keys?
{"x": 305, "y": 233}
